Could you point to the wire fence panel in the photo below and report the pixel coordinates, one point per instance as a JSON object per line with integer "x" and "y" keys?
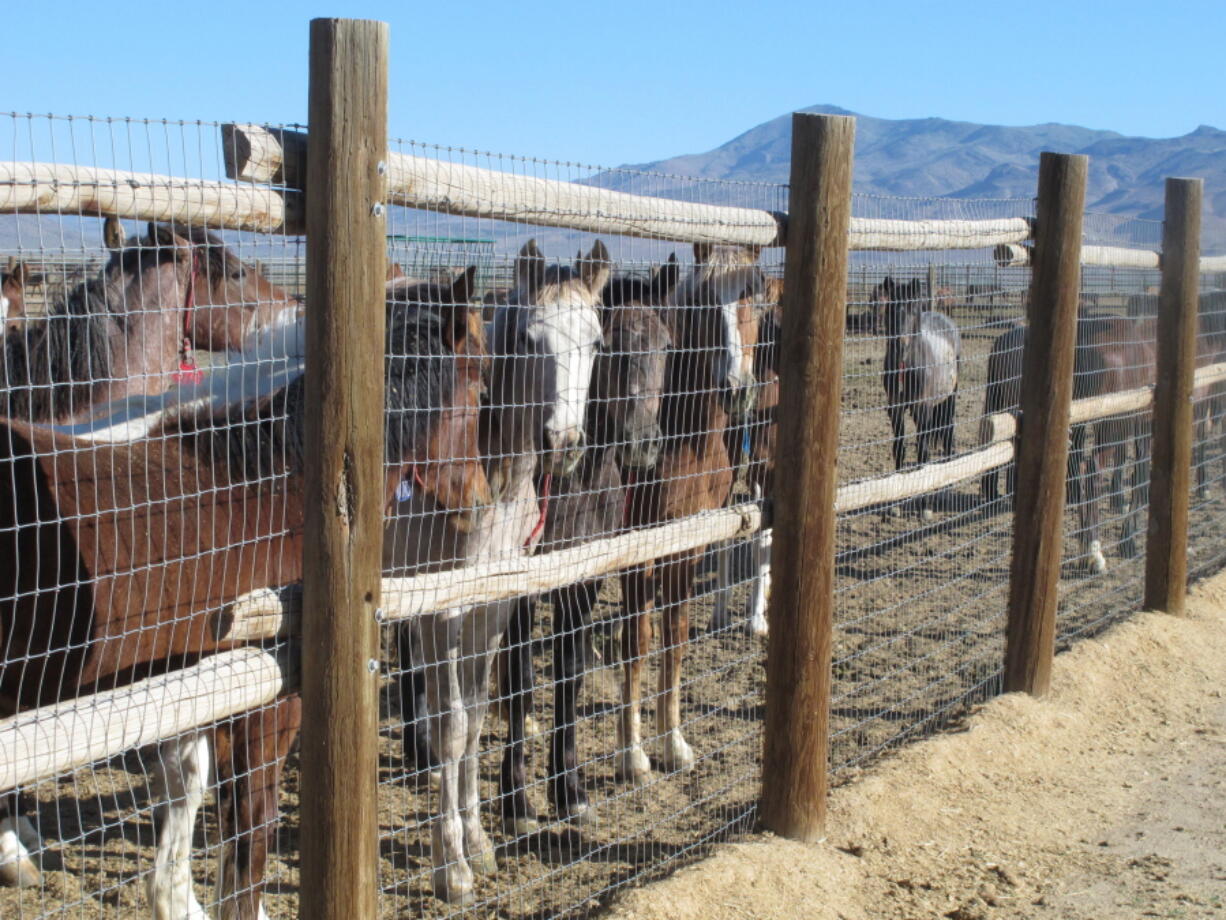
{"x": 579, "y": 441}
{"x": 628, "y": 384}
{"x": 149, "y": 467}
{"x": 922, "y": 573}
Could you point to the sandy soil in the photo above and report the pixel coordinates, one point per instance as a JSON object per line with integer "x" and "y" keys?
{"x": 1104, "y": 800}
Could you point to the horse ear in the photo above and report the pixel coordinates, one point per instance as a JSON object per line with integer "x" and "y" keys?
{"x": 702, "y": 252}
{"x": 594, "y": 268}
{"x": 529, "y": 267}
{"x": 665, "y": 278}
{"x": 464, "y": 286}
{"x": 456, "y": 325}
{"x": 754, "y": 250}
{"x": 17, "y": 274}
{"x": 113, "y": 235}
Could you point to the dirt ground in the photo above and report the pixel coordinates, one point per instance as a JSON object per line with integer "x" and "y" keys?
{"x": 1104, "y": 800}
{"x": 919, "y": 626}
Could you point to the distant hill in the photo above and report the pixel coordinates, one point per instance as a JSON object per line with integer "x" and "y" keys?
{"x": 933, "y": 157}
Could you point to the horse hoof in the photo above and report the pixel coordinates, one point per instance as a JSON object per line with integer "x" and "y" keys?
{"x": 483, "y": 863}
{"x": 678, "y": 755}
{"x": 532, "y": 727}
{"x": 927, "y": 516}
{"x": 580, "y": 814}
{"x": 759, "y": 628}
{"x": 457, "y": 891}
{"x": 633, "y": 766}
{"x": 521, "y": 825}
{"x": 20, "y": 872}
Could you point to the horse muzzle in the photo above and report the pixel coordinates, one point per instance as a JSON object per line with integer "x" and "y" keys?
{"x": 641, "y": 449}
{"x": 738, "y": 401}
{"x": 563, "y": 451}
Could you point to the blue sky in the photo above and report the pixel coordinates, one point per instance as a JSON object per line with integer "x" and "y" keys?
{"x": 633, "y": 81}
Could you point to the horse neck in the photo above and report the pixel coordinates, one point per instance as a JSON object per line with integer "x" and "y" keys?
{"x": 691, "y": 407}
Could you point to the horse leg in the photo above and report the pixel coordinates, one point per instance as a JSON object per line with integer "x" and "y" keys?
{"x": 1083, "y": 492}
{"x": 638, "y": 598}
{"x": 515, "y": 688}
{"x": 721, "y": 615}
{"x": 948, "y": 412}
{"x": 761, "y": 543}
{"x": 898, "y": 432}
{"x": 676, "y": 585}
{"x": 572, "y": 607}
{"x": 180, "y": 777}
{"x": 17, "y": 838}
{"x": 248, "y": 788}
{"x": 418, "y": 755}
{"x": 925, "y": 433}
{"x": 475, "y": 683}
{"x": 452, "y": 877}
{"x": 1140, "y": 490}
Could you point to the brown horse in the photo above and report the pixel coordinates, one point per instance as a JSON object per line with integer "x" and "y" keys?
{"x": 218, "y": 499}
{"x": 622, "y": 434}
{"x": 751, "y": 446}
{"x": 712, "y": 319}
{"x": 117, "y": 335}
{"x": 1112, "y": 354}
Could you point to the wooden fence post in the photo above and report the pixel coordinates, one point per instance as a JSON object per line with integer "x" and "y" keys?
{"x": 1042, "y": 453}
{"x": 1166, "y": 556}
{"x": 345, "y": 333}
{"x": 797, "y": 744}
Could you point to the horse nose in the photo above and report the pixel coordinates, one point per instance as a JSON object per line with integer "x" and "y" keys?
{"x": 563, "y": 450}
{"x": 565, "y": 440}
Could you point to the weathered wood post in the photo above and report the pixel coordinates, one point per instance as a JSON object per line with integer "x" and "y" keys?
{"x": 1042, "y": 452}
{"x": 345, "y": 334}
{"x": 794, "y": 768}
{"x": 1166, "y": 556}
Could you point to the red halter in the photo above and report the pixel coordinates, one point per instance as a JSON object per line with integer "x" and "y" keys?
{"x": 546, "y": 484}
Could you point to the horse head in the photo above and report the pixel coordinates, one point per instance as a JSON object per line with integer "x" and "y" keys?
{"x": 546, "y": 338}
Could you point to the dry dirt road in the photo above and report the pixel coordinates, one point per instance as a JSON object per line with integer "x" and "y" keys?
{"x": 1105, "y": 801}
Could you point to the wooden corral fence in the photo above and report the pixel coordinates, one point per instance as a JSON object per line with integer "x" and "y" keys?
{"x": 286, "y": 182}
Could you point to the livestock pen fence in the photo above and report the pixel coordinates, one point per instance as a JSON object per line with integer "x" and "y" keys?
{"x": 898, "y": 598}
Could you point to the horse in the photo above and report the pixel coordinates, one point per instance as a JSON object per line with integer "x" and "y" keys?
{"x": 223, "y": 492}
{"x": 227, "y": 300}
{"x": 544, "y": 342}
{"x": 13, "y": 283}
{"x": 116, "y": 335}
{"x": 712, "y": 320}
{"x": 622, "y": 435}
{"x": 923, "y": 354}
{"x": 751, "y": 445}
{"x": 1111, "y": 354}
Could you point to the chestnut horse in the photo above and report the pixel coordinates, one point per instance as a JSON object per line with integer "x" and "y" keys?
{"x": 1112, "y": 354}
{"x": 228, "y": 300}
{"x": 622, "y": 434}
{"x": 751, "y": 445}
{"x": 711, "y": 317}
{"x": 218, "y": 498}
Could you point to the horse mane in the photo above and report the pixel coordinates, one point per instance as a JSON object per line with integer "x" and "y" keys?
{"x": 262, "y": 438}
{"x": 219, "y": 261}
{"x": 52, "y": 362}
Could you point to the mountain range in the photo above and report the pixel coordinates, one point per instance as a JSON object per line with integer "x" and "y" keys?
{"x": 938, "y": 158}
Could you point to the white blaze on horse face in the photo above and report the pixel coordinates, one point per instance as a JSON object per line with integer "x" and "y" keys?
{"x": 567, "y": 332}
{"x": 730, "y": 365}
{"x": 4, "y": 307}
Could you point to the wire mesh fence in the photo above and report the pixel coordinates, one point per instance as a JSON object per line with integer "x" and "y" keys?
{"x": 550, "y": 392}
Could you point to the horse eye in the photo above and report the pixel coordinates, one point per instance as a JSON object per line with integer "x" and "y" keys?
{"x": 236, "y": 275}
